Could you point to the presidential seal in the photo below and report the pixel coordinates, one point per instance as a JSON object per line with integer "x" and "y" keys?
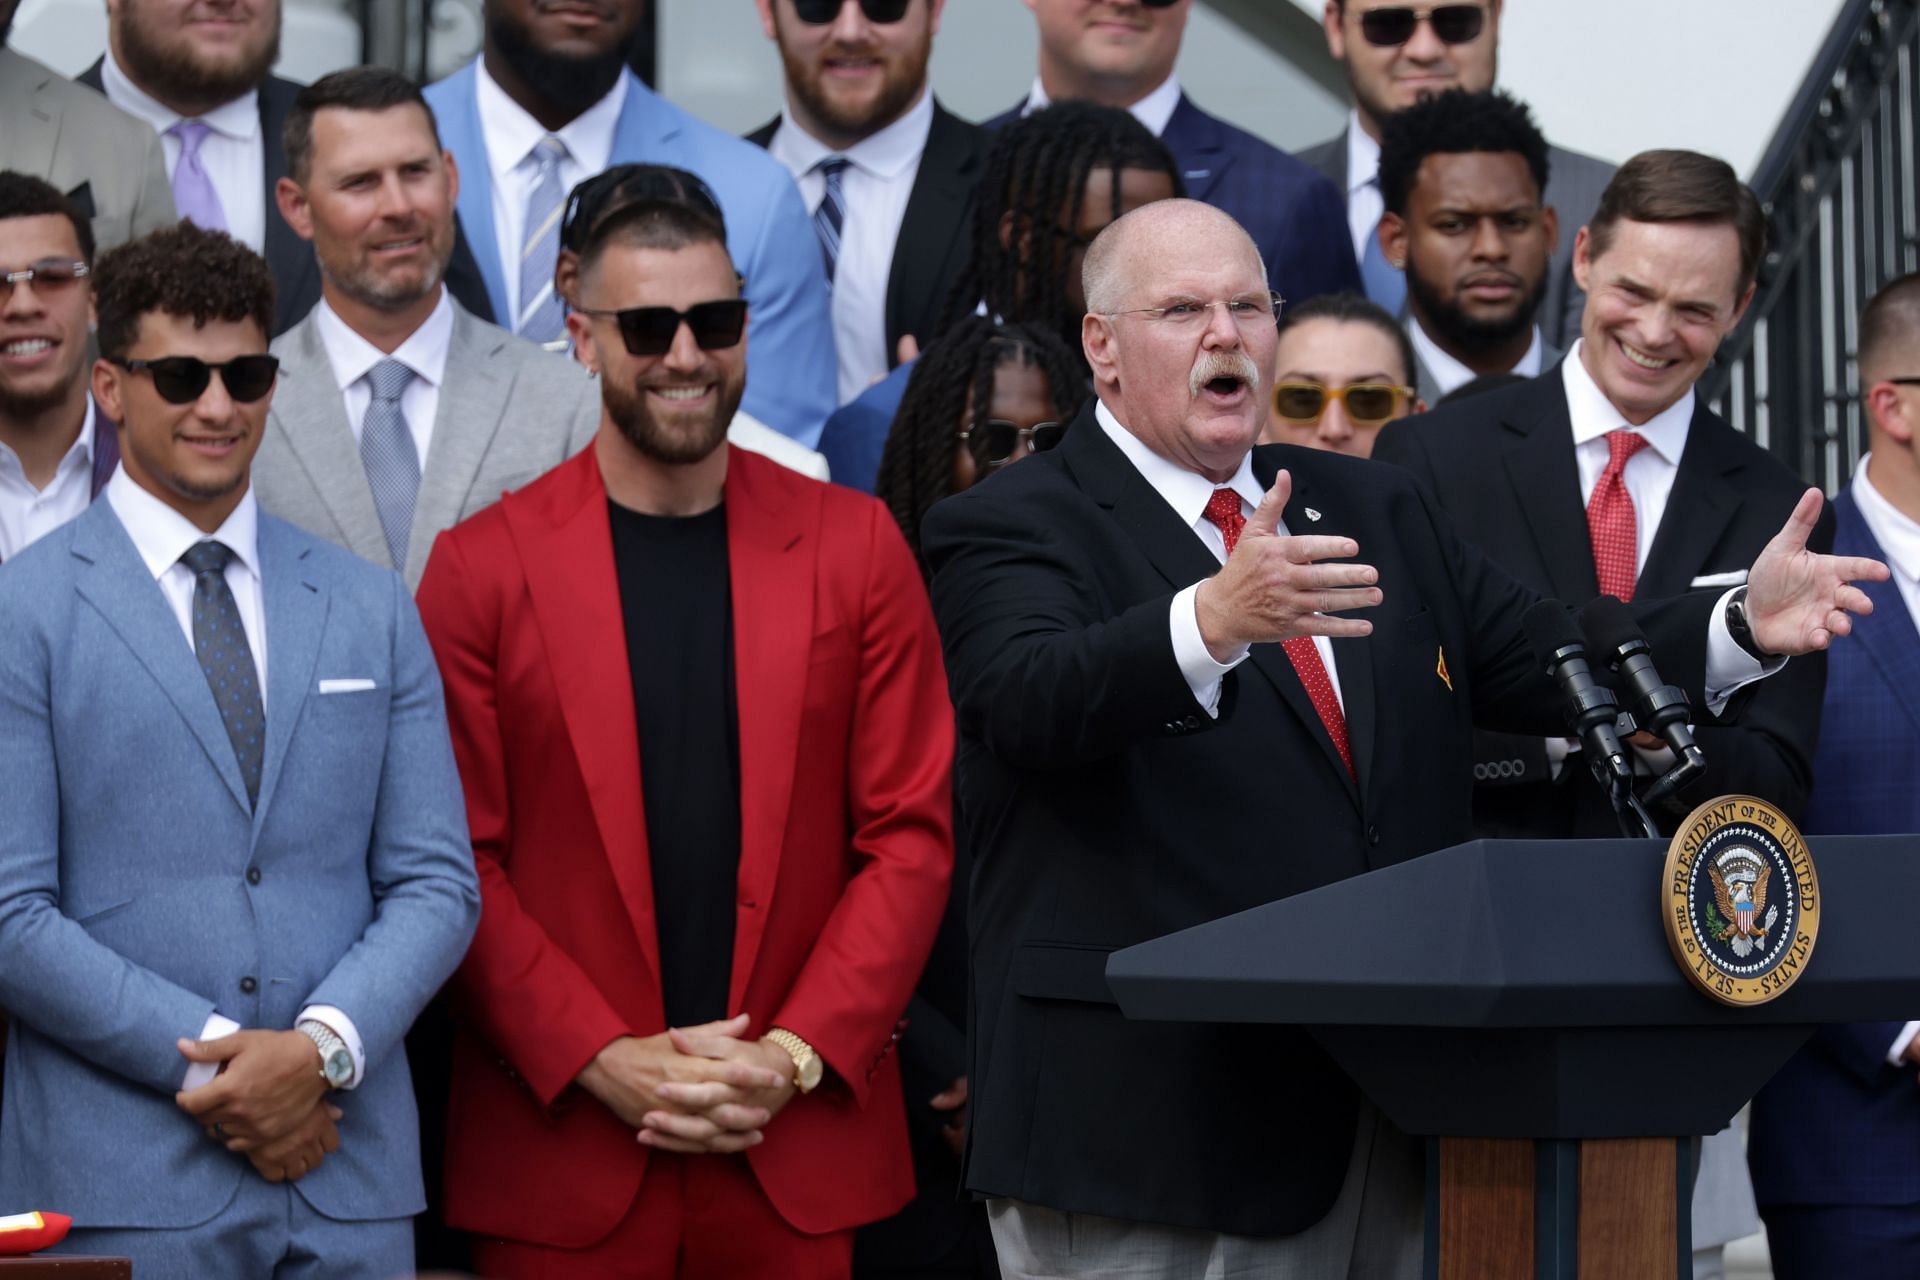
{"x": 1740, "y": 899}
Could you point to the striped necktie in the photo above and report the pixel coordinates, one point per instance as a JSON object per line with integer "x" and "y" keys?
{"x": 830, "y": 216}
{"x": 541, "y": 318}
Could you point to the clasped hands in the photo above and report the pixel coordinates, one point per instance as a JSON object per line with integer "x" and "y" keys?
{"x": 694, "y": 1090}
{"x": 268, "y": 1102}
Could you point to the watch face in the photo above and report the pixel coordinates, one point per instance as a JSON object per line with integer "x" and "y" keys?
{"x": 809, "y": 1075}
{"x": 339, "y": 1067}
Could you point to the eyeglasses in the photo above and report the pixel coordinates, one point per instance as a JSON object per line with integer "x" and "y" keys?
{"x": 49, "y": 275}
{"x": 993, "y": 443}
{"x": 1368, "y": 404}
{"x": 1452, "y": 23}
{"x": 820, "y": 12}
{"x": 184, "y": 379}
{"x": 1184, "y": 313}
{"x": 650, "y": 331}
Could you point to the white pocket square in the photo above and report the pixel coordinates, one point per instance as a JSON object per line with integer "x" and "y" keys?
{"x": 1734, "y": 578}
{"x": 345, "y": 686}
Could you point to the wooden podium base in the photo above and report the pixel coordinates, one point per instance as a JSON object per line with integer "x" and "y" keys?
{"x": 1521, "y": 1209}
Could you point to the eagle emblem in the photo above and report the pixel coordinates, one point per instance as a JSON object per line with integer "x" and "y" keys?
{"x": 1740, "y": 878}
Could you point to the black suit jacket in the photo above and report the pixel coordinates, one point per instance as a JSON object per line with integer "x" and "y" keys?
{"x": 296, "y": 272}
{"x": 934, "y": 245}
{"x": 1502, "y": 465}
{"x": 1105, "y": 807}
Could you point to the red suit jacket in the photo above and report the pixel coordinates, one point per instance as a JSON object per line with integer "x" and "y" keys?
{"x": 846, "y": 741}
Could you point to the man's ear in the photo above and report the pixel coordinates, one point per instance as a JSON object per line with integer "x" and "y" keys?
{"x": 106, "y": 390}
{"x": 1583, "y": 259}
{"x": 1336, "y": 37}
{"x": 1098, "y": 341}
{"x": 1393, "y": 238}
{"x": 453, "y": 176}
{"x": 292, "y": 199}
{"x": 585, "y": 350}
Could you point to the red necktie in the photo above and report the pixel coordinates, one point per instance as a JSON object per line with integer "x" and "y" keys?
{"x": 1610, "y": 519}
{"x": 1223, "y": 509}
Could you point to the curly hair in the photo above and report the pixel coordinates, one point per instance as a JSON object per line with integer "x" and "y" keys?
{"x": 24, "y": 196}
{"x": 183, "y": 271}
{"x": 1037, "y": 171}
{"x": 916, "y": 464}
{"x": 1456, "y": 123}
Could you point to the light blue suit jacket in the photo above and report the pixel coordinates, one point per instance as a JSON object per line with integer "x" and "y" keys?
{"x": 127, "y": 911}
{"x": 790, "y": 360}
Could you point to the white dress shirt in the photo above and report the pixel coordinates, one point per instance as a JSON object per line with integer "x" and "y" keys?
{"x": 162, "y": 535}
{"x": 876, "y": 188}
{"x": 424, "y": 352}
{"x": 233, "y": 153}
{"x": 1449, "y": 374}
{"x": 510, "y": 135}
{"x": 1188, "y": 493}
{"x": 1365, "y": 201}
{"x": 27, "y": 513}
{"x": 1153, "y": 111}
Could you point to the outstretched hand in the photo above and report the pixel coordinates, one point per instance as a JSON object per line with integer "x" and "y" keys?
{"x": 1799, "y": 600}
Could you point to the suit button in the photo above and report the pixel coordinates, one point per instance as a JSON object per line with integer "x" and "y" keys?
{"x": 1373, "y": 834}
{"x": 253, "y": 875}
{"x": 1190, "y": 723}
{"x": 248, "y": 986}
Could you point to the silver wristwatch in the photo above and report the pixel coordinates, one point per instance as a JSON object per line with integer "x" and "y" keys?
{"x": 336, "y": 1060}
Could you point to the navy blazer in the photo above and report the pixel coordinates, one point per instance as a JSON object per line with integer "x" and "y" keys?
{"x": 1297, "y": 217}
{"x": 1839, "y": 1124}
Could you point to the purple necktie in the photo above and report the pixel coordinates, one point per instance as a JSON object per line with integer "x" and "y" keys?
{"x": 193, "y": 193}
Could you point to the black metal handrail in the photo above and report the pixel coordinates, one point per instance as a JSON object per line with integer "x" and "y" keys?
{"x": 1838, "y": 183}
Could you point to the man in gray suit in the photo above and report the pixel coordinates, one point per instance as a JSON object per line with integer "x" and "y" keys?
{"x": 234, "y": 839}
{"x": 1395, "y": 55}
{"x": 104, "y": 160}
{"x": 402, "y": 413}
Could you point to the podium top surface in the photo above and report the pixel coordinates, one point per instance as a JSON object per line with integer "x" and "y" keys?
{"x": 1523, "y": 933}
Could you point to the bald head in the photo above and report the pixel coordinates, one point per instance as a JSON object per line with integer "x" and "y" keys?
{"x": 1123, "y": 256}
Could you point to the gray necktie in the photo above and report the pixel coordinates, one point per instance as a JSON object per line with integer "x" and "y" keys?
{"x": 541, "y": 319}
{"x": 220, "y": 643}
{"x": 393, "y": 464}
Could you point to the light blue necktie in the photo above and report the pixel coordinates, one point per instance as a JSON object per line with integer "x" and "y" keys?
{"x": 1384, "y": 284}
{"x": 193, "y": 193}
{"x": 388, "y": 453}
{"x": 830, "y": 216}
{"x": 541, "y": 317}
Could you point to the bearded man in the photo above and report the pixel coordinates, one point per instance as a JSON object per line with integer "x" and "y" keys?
{"x": 703, "y": 729}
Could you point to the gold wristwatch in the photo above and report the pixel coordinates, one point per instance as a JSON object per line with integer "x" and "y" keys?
{"x": 807, "y": 1066}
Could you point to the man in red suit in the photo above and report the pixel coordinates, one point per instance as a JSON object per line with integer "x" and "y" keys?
{"x": 699, "y": 710}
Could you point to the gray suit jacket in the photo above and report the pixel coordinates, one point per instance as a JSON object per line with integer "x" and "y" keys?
{"x": 107, "y": 161}
{"x": 139, "y": 892}
{"x": 509, "y": 412}
{"x": 1574, "y": 184}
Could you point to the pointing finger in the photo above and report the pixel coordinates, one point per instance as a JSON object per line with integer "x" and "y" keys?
{"x": 1266, "y": 517}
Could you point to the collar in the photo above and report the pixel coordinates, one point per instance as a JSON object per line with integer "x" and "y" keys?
{"x": 79, "y": 454}
{"x": 1153, "y": 111}
{"x": 424, "y": 351}
{"x": 1897, "y": 532}
{"x": 1185, "y": 491}
{"x": 886, "y": 154}
{"x": 1363, "y": 154}
{"x": 1448, "y": 373}
{"x": 162, "y": 535}
{"x": 238, "y": 119}
{"x": 1594, "y": 415}
{"x": 511, "y": 134}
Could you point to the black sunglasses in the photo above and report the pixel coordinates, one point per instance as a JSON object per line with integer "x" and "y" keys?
{"x": 49, "y": 275}
{"x": 819, "y": 13}
{"x": 1452, "y": 23}
{"x": 184, "y": 379}
{"x": 650, "y": 331}
{"x": 993, "y": 443}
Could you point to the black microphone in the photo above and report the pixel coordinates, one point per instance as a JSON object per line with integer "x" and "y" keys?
{"x": 1591, "y": 707}
{"x": 1617, "y": 637}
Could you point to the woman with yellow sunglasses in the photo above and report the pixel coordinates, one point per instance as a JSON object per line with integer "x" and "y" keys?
{"x": 1342, "y": 371}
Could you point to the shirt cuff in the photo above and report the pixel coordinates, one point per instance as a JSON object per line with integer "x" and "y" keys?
{"x": 1729, "y": 667}
{"x": 1898, "y": 1054}
{"x": 199, "y": 1073}
{"x": 1203, "y": 674}
{"x": 341, "y": 1025}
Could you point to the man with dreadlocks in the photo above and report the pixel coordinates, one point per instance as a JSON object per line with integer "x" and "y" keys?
{"x": 1053, "y": 182}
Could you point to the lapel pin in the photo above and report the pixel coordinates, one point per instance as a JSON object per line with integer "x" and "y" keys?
{"x": 1312, "y": 514}
{"x": 1441, "y": 670}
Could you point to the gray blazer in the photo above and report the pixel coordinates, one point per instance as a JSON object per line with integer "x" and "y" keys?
{"x": 1574, "y": 184}
{"x": 509, "y": 412}
{"x": 108, "y": 161}
{"x": 139, "y": 892}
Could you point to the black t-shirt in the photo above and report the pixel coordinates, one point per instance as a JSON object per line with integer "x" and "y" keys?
{"x": 675, "y": 599}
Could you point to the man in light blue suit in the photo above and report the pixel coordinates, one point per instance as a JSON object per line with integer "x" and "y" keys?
{"x": 549, "y": 103}
{"x": 234, "y": 836}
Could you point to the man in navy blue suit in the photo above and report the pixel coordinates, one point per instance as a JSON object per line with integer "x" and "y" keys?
{"x": 1835, "y": 1144}
{"x": 1121, "y": 53}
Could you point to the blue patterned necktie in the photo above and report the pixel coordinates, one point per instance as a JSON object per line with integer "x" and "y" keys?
{"x": 388, "y": 453}
{"x": 220, "y": 643}
{"x": 830, "y": 216}
{"x": 1384, "y": 284}
{"x": 541, "y": 319}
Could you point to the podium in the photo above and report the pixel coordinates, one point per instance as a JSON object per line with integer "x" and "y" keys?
{"x": 1516, "y": 1002}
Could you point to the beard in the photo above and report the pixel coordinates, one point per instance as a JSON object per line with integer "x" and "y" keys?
{"x": 393, "y": 292}
{"x": 901, "y": 83}
{"x": 571, "y": 84}
{"x": 676, "y": 443}
{"x": 1467, "y": 332}
{"x": 167, "y": 67}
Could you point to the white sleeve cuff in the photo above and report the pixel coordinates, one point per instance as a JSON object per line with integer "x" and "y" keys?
{"x": 199, "y": 1073}
{"x": 341, "y": 1025}
{"x": 1190, "y": 651}
{"x": 1729, "y": 667}
{"x": 1898, "y": 1054}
